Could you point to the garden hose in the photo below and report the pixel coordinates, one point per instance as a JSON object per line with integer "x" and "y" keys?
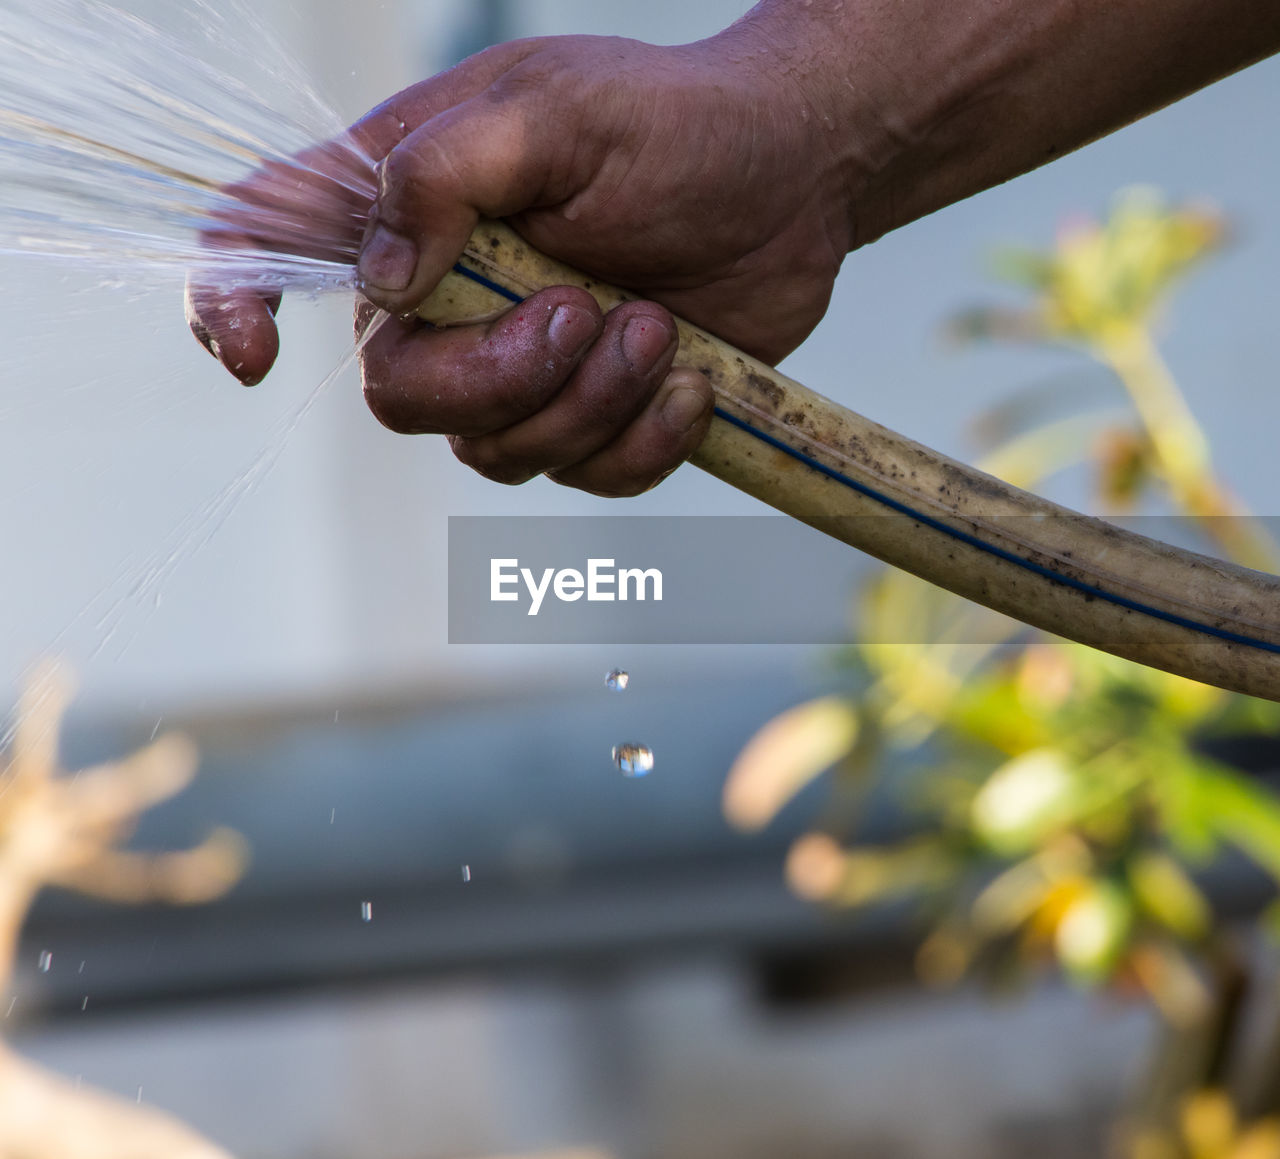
{"x": 1071, "y": 574}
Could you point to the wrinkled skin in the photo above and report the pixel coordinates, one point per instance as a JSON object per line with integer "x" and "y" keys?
{"x": 695, "y": 175}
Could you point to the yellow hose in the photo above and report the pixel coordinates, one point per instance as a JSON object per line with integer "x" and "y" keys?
{"x": 1070, "y": 574}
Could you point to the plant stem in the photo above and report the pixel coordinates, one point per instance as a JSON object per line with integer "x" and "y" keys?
{"x": 1181, "y": 448}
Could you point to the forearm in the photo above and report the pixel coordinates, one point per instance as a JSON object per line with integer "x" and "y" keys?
{"x": 930, "y": 101}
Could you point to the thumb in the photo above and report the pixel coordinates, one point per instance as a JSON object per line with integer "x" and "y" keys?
{"x": 484, "y": 157}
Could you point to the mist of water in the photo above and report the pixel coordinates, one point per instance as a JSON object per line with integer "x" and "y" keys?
{"x": 119, "y": 139}
{"x": 122, "y": 141}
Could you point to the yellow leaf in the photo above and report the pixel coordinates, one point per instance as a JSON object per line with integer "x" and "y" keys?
{"x": 1261, "y": 1141}
{"x": 784, "y": 756}
{"x": 1093, "y": 931}
{"x": 1209, "y": 1123}
{"x": 815, "y": 866}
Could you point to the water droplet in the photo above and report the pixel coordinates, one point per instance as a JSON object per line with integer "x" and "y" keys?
{"x": 46, "y": 961}
{"x": 158, "y": 599}
{"x": 12, "y": 1003}
{"x": 85, "y": 1004}
{"x": 332, "y": 814}
{"x": 139, "y": 1094}
{"x": 466, "y": 873}
{"x": 81, "y": 970}
{"x": 617, "y": 680}
{"x": 635, "y": 760}
{"x": 366, "y": 911}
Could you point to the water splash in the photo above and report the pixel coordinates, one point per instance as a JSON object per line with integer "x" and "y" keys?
{"x": 46, "y": 961}
{"x": 122, "y": 141}
{"x": 139, "y": 583}
{"x": 119, "y": 139}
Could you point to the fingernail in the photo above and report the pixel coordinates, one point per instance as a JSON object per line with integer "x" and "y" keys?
{"x": 388, "y": 260}
{"x": 644, "y": 341}
{"x": 205, "y": 339}
{"x": 570, "y": 329}
{"x": 683, "y": 408}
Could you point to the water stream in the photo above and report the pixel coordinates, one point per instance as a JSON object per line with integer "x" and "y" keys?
{"x": 119, "y": 137}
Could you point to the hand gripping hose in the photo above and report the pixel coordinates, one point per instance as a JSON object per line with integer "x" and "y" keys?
{"x": 1070, "y": 574}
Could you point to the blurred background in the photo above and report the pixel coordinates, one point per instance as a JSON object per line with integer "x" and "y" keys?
{"x": 462, "y": 933}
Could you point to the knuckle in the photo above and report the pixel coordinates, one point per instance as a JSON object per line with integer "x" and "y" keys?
{"x": 408, "y": 177}
{"x": 636, "y": 483}
{"x": 398, "y": 169}
{"x": 637, "y": 473}
{"x": 608, "y": 484}
{"x": 624, "y": 490}
{"x": 517, "y": 387}
{"x": 485, "y": 458}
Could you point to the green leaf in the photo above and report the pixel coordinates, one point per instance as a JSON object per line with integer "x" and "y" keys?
{"x": 1165, "y": 893}
{"x": 1022, "y": 266}
{"x": 1240, "y": 812}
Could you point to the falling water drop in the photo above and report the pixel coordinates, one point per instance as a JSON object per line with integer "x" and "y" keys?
{"x": 634, "y": 760}
{"x": 366, "y": 911}
{"x": 46, "y": 961}
{"x": 617, "y": 680}
{"x": 466, "y": 873}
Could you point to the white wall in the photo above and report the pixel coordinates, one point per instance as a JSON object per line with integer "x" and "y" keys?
{"x": 674, "y": 1061}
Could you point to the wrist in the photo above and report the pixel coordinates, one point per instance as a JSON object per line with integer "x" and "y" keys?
{"x": 903, "y": 94}
{"x": 859, "y": 124}
{"x": 931, "y": 102}
{"x": 836, "y": 143}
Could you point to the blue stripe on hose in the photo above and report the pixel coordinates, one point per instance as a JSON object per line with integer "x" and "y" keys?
{"x": 937, "y": 524}
{"x": 487, "y": 283}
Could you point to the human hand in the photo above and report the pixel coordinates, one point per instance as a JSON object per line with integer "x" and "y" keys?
{"x": 698, "y": 176}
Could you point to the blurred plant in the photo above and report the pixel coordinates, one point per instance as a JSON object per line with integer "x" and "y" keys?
{"x": 1065, "y": 801}
{"x": 65, "y": 830}
{"x": 1209, "y": 1127}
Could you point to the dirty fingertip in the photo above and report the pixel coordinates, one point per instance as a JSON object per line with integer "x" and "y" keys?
{"x": 686, "y": 402}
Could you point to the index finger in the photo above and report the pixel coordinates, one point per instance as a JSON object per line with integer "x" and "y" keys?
{"x": 294, "y": 222}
